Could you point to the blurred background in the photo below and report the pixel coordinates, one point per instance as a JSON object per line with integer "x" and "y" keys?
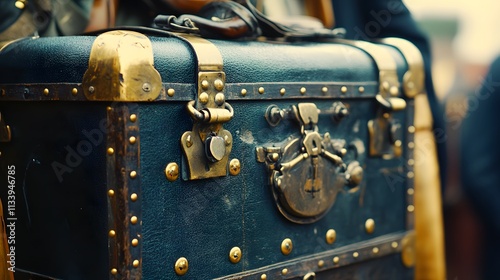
{"x": 464, "y": 41}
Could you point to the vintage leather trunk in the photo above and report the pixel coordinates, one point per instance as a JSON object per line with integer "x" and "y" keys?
{"x": 169, "y": 156}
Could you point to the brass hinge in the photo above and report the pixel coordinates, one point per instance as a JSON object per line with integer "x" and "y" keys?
{"x": 207, "y": 147}
{"x": 5, "y": 134}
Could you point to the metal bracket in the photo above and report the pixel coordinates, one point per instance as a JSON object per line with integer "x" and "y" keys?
{"x": 208, "y": 146}
{"x": 5, "y": 134}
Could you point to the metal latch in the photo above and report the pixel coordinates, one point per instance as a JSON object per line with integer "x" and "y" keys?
{"x": 208, "y": 146}
{"x": 5, "y": 135}
{"x": 307, "y": 172}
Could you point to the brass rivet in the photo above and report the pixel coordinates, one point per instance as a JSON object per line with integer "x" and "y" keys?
{"x": 172, "y": 171}
{"x": 171, "y": 92}
{"x": 46, "y": 92}
{"x": 235, "y": 255}
{"x": 303, "y": 90}
{"x": 204, "y": 98}
{"x": 410, "y": 208}
{"x": 132, "y": 139}
{"x": 343, "y": 151}
{"x": 375, "y": 250}
{"x": 394, "y": 245}
{"x": 343, "y": 89}
{"x": 91, "y": 89}
{"x": 181, "y": 266}
{"x": 189, "y": 141}
{"x": 133, "y": 197}
{"x": 228, "y": 141}
{"x": 411, "y": 162}
{"x": 114, "y": 271}
{"x": 286, "y": 246}
{"x": 74, "y": 91}
{"x": 133, "y": 174}
{"x": 111, "y": 151}
{"x": 385, "y": 86}
{"x": 282, "y": 91}
{"x": 133, "y": 220}
{"x": 398, "y": 143}
{"x": 324, "y": 89}
{"x": 109, "y": 109}
{"x": 146, "y": 87}
{"x": 275, "y": 157}
{"x": 336, "y": 260}
{"x": 261, "y": 90}
{"x": 321, "y": 263}
{"x": 355, "y": 254}
{"x": 411, "y": 145}
{"x": 411, "y": 129}
{"x": 243, "y": 92}
{"x": 219, "y": 84}
{"x": 386, "y": 115}
{"x": 133, "y": 118}
{"x": 20, "y": 5}
{"x": 112, "y": 233}
{"x": 284, "y": 271}
{"x": 370, "y": 226}
{"x": 331, "y": 235}
{"x": 263, "y": 277}
{"x": 394, "y": 91}
{"x": 135, "y": 263}
{"x": 410, "y": 174}
{"x": 410, "y": 191}
{"x": 234, "y": 167}
{"x": 219, "y": 99}
{"x": 361, "y": 89}
{"x": 204, "y": 84}
{"x": 111, "y": 193}
{"x": 135, "y": 242}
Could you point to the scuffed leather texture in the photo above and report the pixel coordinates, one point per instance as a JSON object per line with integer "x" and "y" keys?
{"x": 61, "y": 226}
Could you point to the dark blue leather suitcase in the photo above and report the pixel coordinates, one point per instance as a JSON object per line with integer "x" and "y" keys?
{"x": 170, "y": 156}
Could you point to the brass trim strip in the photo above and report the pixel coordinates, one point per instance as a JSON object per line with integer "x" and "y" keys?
{"x": 343, "y": 256}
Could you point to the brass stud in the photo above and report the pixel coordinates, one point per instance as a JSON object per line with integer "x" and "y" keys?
{"x": 263, "y": 277}
{"x": 235, "y": 255}
{"x": 133, "y": 174}
{"x": 234, "y": 167}
{"x": 111, "y": 151}
{"x": 46, "y": 92}
{"x": 275, "y": 157}
{"x": 133, "y": 220}
{"x": 370, "y": 226}
{"x": 204, "y": 84}
{"x": 375, "y": 250}
{"x": 343, "y": 89}
{"x": 111, "y": 193}
{"x": 111, "y": 233}
{"x": 394, "y": 91}
{"x": 133, "y": 197}
{"x": 331, "y": 235}
{"x": 394, "y": 245}
{"x": 133, "y": 118}
{"x": 282, "y": 91}
{"x": 219, "y": 99}
{"x": 227, "y": 140}
{"x": 135, "y": 242}
{"x": 243, "y": 92}
{"x": 411, "y": 145}
{"x": 410, "y": 174}
{"x": 324, "y": 90}
{"x": 411, "y": 162}
{"x": 132, "y": 140}
{"x": 261, "y": 90}
{"x": 20, "y": 4}
{"x": 410, "y": 208}
{"x": 171, "y": 92}
{"x": 135, "y": 263}
{"x": 109, "y": 109}
{"x": 355, "y": 255}
{"x": 386, "y": 115}
{"x": 91, "y": 89}
{"x": 189, "y": 141}
{"x": 321, "y": 263}
{"x": 74, "y": 91}
{"x": 385, "y": 86}
{"x": 303, "y": 90}
{"x": 181, "y": 266}
{"x": 114, "y": 271}
{"x": 411, "y": 129}
{"x": 361, "y": 89}
{"x": 336, "y": 260}
{"x": 172, "y": 171}
{"x": 204, "y": 98}
{"x": 410, "y": 191}
{"x": 219, "y": 84}
{"x": 398, "y": 143}
{"x": 284, "y": 271}
{"x": 286, "y": 246}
